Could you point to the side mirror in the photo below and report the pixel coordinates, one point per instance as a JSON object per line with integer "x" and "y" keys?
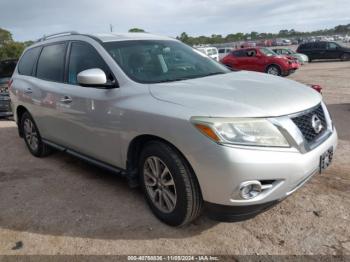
{"x": 94, "y": 77}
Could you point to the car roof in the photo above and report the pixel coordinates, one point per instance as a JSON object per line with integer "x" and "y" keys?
{"x": 129, "y": 36}
{"x": 104, "y": 37}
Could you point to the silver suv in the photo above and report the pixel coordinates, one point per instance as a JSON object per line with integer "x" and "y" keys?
{"x": 193, "y": 134}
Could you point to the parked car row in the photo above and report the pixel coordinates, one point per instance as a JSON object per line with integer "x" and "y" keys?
{"x": 278, "y": 61}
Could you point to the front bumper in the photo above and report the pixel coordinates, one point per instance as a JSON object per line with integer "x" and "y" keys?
{"x": 222, "y": 169}
{"x": 224, "y": 213}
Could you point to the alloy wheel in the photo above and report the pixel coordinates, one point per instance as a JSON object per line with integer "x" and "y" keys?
{"x": 273, "y": 71}
{"x": 160, "y": 185}
{"x": 31, "y": 134}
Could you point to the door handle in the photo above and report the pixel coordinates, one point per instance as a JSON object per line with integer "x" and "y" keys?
{"x": 66, "y": 100}
{"x": 28, "y": 91}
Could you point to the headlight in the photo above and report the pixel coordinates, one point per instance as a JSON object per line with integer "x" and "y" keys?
{"x": 241, "y": 131}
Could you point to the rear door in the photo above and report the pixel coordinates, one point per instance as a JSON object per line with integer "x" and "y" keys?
{"x": 236, "y": 60}
{"x": 251, "y": 60}
{"x": 320, "y": 50}
{"x": 45, "y": 93}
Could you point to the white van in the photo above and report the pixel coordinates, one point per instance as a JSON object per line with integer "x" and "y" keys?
{"x": 224, "y": 51}
{"x": 212, "y": 52}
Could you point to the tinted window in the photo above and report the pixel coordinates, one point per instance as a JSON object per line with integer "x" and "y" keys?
{"x": 306, "y": 46}
{"x": 320, "y": 45}
{"x": 82, "y": 57}
{"x": 51, "y": 63}
{"x": 26, "y": 64}
{"x": 221, "y": 51}
{"x": 239, "y": 53}
{"x": 332, "y": 46}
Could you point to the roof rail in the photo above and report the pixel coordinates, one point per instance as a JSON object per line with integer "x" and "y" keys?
{"x": 45, "y": 37}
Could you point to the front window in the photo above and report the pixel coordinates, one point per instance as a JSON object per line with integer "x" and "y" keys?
{"x": 267, "y": 52}
{"x": 332, "y": 46}
{"x": 156, "y": 61}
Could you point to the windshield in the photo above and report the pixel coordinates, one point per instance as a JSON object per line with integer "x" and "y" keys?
{"x": 156, "y": 61}
{"x": 267, "y": 52}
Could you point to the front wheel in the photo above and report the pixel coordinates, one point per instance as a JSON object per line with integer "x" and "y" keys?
{"x": 273, "y": 70}
{"x": 169, "y": 184}
{"x": 345, "y": 57}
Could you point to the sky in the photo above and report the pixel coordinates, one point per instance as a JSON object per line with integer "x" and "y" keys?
{"x": 31, "y": 19}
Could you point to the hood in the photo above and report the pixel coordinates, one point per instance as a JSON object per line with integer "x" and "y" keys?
{"x": 238, "y": 94}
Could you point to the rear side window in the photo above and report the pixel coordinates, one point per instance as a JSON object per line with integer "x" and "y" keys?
{"x": 306, "y": 46}
{"x": 82, "y": 57}
{"x": 51, "y": 63}
{"x": 320, "y": 45}
{"x": 239, "y": 53}
{"x": 26, "y": 64}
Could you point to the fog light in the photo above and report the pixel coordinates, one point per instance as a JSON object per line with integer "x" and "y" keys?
{"x": 250, "y": 189}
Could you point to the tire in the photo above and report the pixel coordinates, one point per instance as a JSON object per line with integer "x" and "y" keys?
{"x": 345, "y": 57}
{"x": 174, "y": 197}
{"x": 274, "y": 70}
{"x": 32, "y": 138}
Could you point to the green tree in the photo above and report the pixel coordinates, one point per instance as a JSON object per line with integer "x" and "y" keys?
{"x": 5, "y": 36}
{"x": 11, "y": 50}
{"x": 136, "y": 30}
{"x": 184, "y": 37}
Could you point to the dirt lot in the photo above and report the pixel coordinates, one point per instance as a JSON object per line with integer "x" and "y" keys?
{"x": 61, "y": 205}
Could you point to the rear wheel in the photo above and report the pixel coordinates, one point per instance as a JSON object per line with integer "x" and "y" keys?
{"x": 345, "y": 57}
{"x": 169, "y": 184}
{"x": 32, "y": 136}
{"x": 273, "y": 70}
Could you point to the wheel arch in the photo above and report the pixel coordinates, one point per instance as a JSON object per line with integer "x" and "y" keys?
{"x": 135, "y": 147}
{"x": 274, "y": 64}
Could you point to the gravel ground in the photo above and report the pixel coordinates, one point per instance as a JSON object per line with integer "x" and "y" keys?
{"x": 61, "y": 205}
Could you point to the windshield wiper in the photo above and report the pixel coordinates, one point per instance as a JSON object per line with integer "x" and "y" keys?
{"x": 188, "y": 78}
{"x": 216, "y": 73}
{"x": 171, "y": 80}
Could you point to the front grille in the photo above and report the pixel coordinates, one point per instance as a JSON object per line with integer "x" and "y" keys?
{"x": 304, "y": 123}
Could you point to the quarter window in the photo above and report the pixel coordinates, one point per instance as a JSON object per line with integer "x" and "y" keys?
{"x": 51, "y": 63}
{"x": 82, "y": 57}
{"x": 26, "y": 64}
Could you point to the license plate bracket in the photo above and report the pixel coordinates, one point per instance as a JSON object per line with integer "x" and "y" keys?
{"x": 326, "y": 159}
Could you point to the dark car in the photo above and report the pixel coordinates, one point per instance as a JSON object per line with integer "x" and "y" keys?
{"x": 6, "y": 69}
{"x": 324, "y": 50}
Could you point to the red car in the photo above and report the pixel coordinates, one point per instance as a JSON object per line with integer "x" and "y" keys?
{"x": 260, "y": 60}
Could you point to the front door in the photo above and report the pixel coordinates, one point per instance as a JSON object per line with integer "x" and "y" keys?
{"x": 333, "y": 51}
